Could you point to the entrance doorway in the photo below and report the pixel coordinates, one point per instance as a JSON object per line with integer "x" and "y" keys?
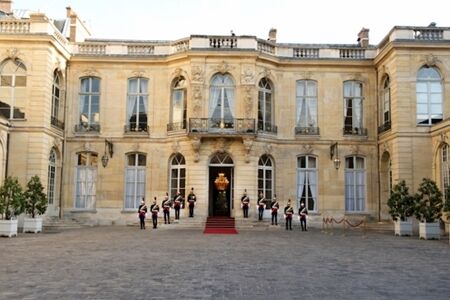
{"x": 220, "y": 203}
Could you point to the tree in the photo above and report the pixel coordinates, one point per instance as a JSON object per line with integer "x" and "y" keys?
{"x": 428, "y": 199}
{"x": 11, "y": 198}
{"x": 35, "y": 198}
{"x": 400, "y": 202}
{"x": 447, "y": 203}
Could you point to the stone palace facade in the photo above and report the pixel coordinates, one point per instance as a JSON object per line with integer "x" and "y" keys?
{"x": 107, "y": 122}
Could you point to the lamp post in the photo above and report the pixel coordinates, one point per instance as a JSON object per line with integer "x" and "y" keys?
{"x": 334, "y": 153}
{"x": 105, "y": 157}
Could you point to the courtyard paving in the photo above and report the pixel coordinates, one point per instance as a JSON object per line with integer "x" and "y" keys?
{"x": 124, "y": 262}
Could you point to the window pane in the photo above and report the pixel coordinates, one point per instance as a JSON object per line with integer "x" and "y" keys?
{"x": 422, "y": 108}
{"x": 349, "y": 162}
{"x": 421, "y": 87}
{"x": 6, "y": 80}
{"x": 435, "y": 87}
{"x": 436, "y": 98}
{"x": 21, "y": 81}
{"x": 422, "y": 98}
{"x": 95, "y": 85}
{"x": 142, "y": 160}
{"x": 311, "y": 162}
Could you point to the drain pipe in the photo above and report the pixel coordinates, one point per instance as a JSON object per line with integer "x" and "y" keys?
{"x": 63, "y": 154}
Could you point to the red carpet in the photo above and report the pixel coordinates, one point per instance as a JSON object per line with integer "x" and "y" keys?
{"x": 220, "y": 225}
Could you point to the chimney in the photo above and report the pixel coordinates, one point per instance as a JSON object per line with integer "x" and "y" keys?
{"x": 272, "y": 35}
{"x": 72, "y": 16}
{"x": 5, "y": 6}
{"x": 363, "y": 38}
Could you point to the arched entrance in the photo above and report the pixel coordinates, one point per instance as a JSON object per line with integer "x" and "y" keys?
{"x": 220, "y": 204}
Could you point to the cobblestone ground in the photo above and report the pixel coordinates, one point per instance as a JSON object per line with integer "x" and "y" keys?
{"x": 128, "y": 263}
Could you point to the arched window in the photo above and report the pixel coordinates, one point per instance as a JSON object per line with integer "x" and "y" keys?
{"x": 51, "y": 179}
{"x": 386, "y": 105}
{"x": 137, "y": 104}
{"x": 265, "y": 106}
{"x": 89, "y": 104}
{"x": 306, "y": 106}
{"x": 13, "y": 80}
{"x": 86, "y": 179}
{"x": 307, "y": 181}
{"x": 177, "y": 178}
{"x": 221, "y": 102}
{"x": 178, "y": 105}
{"x": 353, "y": 108}
{"x": 56, "y": 100}
{"x": 266, "y": 178}
{"x": 445, "y": 168}
{"x": 429, "y": 96}
{"x": 355, "y": 184}
{"x": 135, "y": 180}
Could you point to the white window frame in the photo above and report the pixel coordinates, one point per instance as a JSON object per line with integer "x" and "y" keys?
{"x": 265, "y": 99}
{"x": 356, "y": 100}
{"x": 355, "y": 186}
{"x": 56, "y": 95}
{"x": 92, "y": 117}
{"x": 428, "y": 95}
{"x": 307, "y": 177}
{"x": 306, "y": 104}
{"x": 177, "y": 164}
{"x": 178, "y": 95}
{"x": 386, "y": 109}
{"x": 135, "y": 177}
{"x": 266, "y": 164}
{"x": 86, "y": 178}
{"x": 51, "y": 178}
{"x": 134, "y": 100}
{"x": 21, "y": 71}
{"x": 222, "y": 89}
{"x": 445, "y": 168}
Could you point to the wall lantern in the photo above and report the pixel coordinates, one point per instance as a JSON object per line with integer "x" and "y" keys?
{"x": 334, "y": 155}
{"x": 108, "y": 153}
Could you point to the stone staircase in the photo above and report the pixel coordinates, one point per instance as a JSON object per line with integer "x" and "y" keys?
{"x": 55, "y": 224}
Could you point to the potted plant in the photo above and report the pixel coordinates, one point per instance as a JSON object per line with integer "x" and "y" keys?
{"x": 35, "y": 205}
{"x": 11, "y": 205}
{"x": 401, "y": 207}
{"x": 428, "y": 209}
{"x": 446, "y": 209}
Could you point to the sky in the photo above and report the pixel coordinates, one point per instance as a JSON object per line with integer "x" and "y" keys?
{"x": 296, "y": 21}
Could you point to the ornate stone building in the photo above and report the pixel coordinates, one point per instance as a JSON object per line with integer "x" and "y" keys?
{"x": 107, "y": 122}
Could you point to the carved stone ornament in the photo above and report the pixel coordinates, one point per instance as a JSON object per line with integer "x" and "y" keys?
{"x": 267, "y": 148}
{"x": 443, "y": 137}
{"x": 135, "y": 147}
{"x": 248, "y": 77}
{"x": 355, "y": 149}
{"x": 197, "y": 74}
{"x": 176, "y": 147}
{"x": 87, "y": 147}
{"x": 178, "y": 72}
{"x": 60, "y": 65}
{"x": 12, "y": 53}
{"x": 248, "y": 101}
{"x": 138, "y": 73}
{"x": 224, "y": 67}
{"x": 266, "y": 73}
{"x": 90, "y": 72}
{"x": 308, "y": 149}
{"x": 197, "y": 95}
{"x": 248, "y": 144}
{"x": 222, "y": 145}
{"x": 431, "y": 60}
{"x": 386, "y": 148}
{"x": 196, "y": 143}
{"x": 57, "y": 143}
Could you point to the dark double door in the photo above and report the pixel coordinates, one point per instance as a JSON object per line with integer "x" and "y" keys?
{"x": 220, "y": 205}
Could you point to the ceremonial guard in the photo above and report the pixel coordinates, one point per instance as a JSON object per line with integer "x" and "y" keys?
{"x": 288, "y": 212}
{"x": 154, "y": 209}
{"x": 142, "y": 211}
{"x": 245, "y": 203}
{"x": 302, "y": 212}
{"x": 166, "y": 204}
{"x": 275, "y": 207}
{"x": 178, "y": 204}
{"x": 191, "y": 202}
{"x": 261, "y": 206}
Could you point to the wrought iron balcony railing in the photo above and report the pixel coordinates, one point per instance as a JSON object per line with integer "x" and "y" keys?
{"x": 355, "y": 131}
{"x": 226, "y": 126}
{"x": 385, "y": 127}
{"x": 176, "y": 126}
{"x": 307, "y": 130}
{"x": 85, "y": 127}
{"x": 57, "y": 123}
{"x": 267, "y": 127}
{"x": 136, "y": 128}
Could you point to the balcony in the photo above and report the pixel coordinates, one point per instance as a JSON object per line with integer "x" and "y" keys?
{"x": 358, "y": 131}
{"x": 134, "y": 128}
{"x": 267, "y": 127}
{"x": 221, "y": 126}
{"x": 57, "y": 123}
{"x": 307, "y": 130}
{"x": 176, "y": 126}
{"x": 385, "y": 127}
{"x": 85, "y": 127}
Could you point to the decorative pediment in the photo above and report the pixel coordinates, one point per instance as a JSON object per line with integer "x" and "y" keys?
{"x": 12, "y": 53}
{"x": 355, "y": 149}
{"x": 224, "y": 67}
{"x": 222, "y": 145}
{"x": 307, "y": 149}
{"x": 431, "y": 60}
{"x": 138, "y": 73}
{"x": 91, "y": 72}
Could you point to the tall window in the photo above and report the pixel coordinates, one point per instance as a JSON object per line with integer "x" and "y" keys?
{"x": 266, "y": 177}
{"x": 178, "y": 105}
{"x": 353, "y": 108}
{"x": 306, "y": 104}
{"x": 51, "y": 179}
{"x": 386, "y": 118}
{"x": 429, "y": 96}
{"x": 90, "y": 103}
{"x": 307, "y": 182}
{"x": 265, "y": 106}
{"x": 221, "y": 101}
{"x": 55, "y": 96}
{"x": 86, "y": 178}
{"x": 445, "y": 168}
{"x": 135, "y": 180}
{"x": 137, "y": 104}
{"x": 13, "y": 81}
{"x": 177, "y": 175}
{"x": 355, "y": 184}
